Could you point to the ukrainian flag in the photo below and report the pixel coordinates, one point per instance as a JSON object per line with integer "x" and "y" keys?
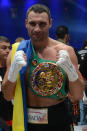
{"x": 19, "y": 122}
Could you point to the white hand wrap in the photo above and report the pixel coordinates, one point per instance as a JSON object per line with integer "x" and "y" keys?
{"x": 65, "y": 63}
{"x": 16, "y": 65}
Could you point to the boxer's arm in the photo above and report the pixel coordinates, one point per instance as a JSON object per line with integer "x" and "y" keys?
{"x": 9, "y": 81}
{"x": 76, "y": 82}
{"x": 77, "y": 87}
{"x": 8, "y": 88}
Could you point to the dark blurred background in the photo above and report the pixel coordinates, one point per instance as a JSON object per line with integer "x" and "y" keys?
{"x": 72, "y": 13}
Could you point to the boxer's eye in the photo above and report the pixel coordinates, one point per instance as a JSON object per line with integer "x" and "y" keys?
{"x": 32, "y": 23}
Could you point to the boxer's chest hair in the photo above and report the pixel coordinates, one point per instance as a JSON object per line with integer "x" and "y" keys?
{"x": 48, "y": 54}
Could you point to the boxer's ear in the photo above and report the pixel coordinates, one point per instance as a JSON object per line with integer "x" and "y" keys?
{"x": 50, "y": 23}
{"x": 26, "y": 23}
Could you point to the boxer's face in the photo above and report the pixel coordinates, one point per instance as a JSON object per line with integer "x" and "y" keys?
{"x": 4, "y": 50}
{"x": 38, "y": 25}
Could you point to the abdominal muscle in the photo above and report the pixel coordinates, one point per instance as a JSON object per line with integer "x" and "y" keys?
{"x": 37, "y": 101}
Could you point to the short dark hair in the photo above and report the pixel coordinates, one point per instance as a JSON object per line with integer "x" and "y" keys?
{"x": 19, "y": 39}
{"x": 39, "y": 8}
{"x": 61, "y": 31}
{"x": 4, "y": 39}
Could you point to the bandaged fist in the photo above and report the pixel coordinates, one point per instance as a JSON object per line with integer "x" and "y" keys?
{"x": 17, "y": 64}
{"x": 65, "y": 63}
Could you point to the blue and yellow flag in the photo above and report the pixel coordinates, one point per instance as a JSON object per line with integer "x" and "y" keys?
{"x": 20, "y": 107}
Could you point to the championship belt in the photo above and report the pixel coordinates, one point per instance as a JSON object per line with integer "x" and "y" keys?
{"x": 48, "y": 80}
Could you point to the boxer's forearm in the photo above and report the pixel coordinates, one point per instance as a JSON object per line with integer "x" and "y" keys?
{"x": 16, "y": 65}
{"x": 76, "y": 83}
{"x": 9, "y": 81}
{"x": 77, "y": 88}
{"x": 65, "y": 63}
{"x": 8, "y": 89}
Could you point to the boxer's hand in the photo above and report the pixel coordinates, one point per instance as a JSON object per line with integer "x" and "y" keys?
{"x": 16, "y": 65}
{"x": 65, "y": 63}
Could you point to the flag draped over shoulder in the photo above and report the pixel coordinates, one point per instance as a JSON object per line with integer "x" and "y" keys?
{"x": 20, "y": 108}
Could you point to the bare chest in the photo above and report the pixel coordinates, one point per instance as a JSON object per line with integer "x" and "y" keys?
{"x": 48, "y": 54}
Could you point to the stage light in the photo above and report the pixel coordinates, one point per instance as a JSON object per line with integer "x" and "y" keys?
{"x": 5, "y": 3}
{"x": 29, "y": 3}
